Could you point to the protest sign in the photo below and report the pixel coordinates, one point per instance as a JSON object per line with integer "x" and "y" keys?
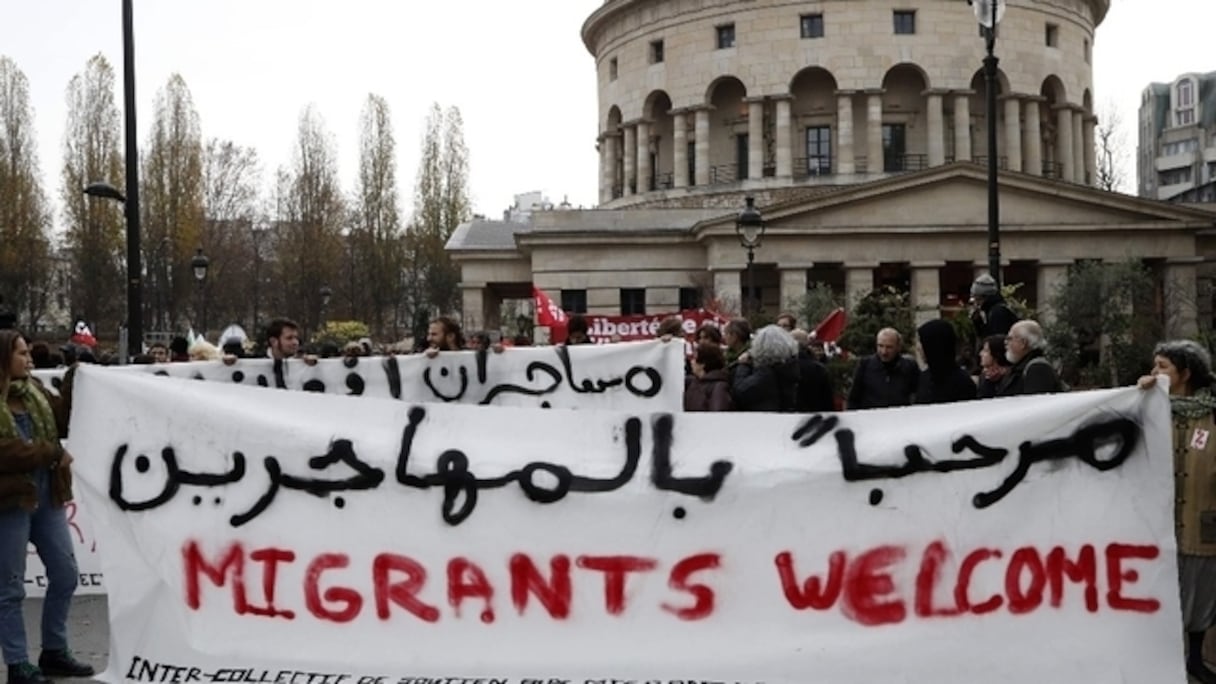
{"x": 266, "y": 537}
{"x": 635, "y": 376}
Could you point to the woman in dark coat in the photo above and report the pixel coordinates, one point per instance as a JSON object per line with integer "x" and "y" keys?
{"x": 766, "y": 376}
{"x": 994, "y": 365}
{"x": 707, "y": 388}
{"x": 944, "y": 381}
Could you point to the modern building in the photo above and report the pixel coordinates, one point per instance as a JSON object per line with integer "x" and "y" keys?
{"x": 860, "y": 128}
{"x": 1176, "y": 153}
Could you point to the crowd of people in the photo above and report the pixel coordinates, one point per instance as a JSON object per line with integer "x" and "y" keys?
{"x": 778, "y": 368}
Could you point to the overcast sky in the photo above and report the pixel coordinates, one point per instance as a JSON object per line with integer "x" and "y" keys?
{"x": 517, "y": 70}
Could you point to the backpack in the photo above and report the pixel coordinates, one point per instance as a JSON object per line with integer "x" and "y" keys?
{"x": 1061, "y": 386}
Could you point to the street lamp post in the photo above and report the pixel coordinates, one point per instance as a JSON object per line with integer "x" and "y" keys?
{"x": 750, "y": 229}
{"x": 989, "y": 13}
{"x": 326, "y": 294}
{"x": 199, "y": 264}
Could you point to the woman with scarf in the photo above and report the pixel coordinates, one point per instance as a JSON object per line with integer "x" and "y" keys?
{"x": 1188, "y": 367}
{"x": 35, "y": 483}
{"x": 994, "y": 365}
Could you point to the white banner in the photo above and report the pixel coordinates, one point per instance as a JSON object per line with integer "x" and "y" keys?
{"x": 88, "y": 561}
{"x": 645, "y": 376}
{"x": 321, "y": 540}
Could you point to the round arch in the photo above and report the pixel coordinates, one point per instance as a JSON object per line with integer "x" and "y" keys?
{"x": 728, "y": 130}
{"x": 657, "y": 111}
{"x": 813, "y": 112}
{"x": 905, "y": 125}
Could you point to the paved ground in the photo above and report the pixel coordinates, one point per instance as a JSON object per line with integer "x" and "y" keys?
{"x": 88, "y": 631}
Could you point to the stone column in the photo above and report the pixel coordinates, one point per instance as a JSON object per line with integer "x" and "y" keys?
{"x": 1181, "y": 297}
{"x": 1078, "y": 146}
{"x": 845, "y": 152}
{"x": 605, "y": 169}
{"x": 937, "y": 127}
{"x": 679, "y": 152}
{"x": 1032, "y": 141}
{"x": 755, "y": 138}
{"x": 644, "y": 171}
{"x": 631, "y": 149}
{"x": 785, "y": 161}
{"x": 728, "y": 285}
{"x": 1091, "y": 165}
{"x": 1013, "y": 133}
{"x": 874, "y": 160}
{"x": 926, "y": 290}
{"x": 1052, "y": 274}
{"x": 858, "y": 282}
{"x": 793, "y": 285}
{"x": 472, "y": 301}
{"x": 962, "y": 126}
{"x": 702, "y": 148}
{"x": 1064, "y": 141}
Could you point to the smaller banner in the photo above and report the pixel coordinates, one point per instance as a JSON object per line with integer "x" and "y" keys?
{"x": 607, "y": 329}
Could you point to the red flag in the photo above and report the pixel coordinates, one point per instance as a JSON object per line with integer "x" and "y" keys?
{"x": 548, "y": 314}
{"x": 829, "y": 328}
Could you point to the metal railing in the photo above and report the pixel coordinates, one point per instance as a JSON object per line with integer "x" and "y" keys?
{"x": 810, "y": 167}
{"x": 1002, "y": 163}
{"x": 894, "y": 163}
{"x": 1053, "y": 169}
{"x": 662, "y": 181}
{"x": 723, "y": 173}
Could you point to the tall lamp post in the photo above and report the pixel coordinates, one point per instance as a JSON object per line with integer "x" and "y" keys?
{"x": 326, "y": 294}
{"x": 199, "y": 264}
{"x": 989, "y": 13}
{"x": 750, "y": 229}
{"x": 135, "y": 323}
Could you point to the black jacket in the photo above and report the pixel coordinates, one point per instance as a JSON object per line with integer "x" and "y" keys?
{"x": 879, "y": 385}
{"x": 943, "y": 381}
{"x": 997, "y": 318}
{"x": 765, "y": 388}
{"x": 815, "y": 392}
{"x": 1029, "y": 377}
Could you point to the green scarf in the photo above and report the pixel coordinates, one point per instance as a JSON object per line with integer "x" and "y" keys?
{"x": 1198, "y": 405}
{"x": 39, "y": 409}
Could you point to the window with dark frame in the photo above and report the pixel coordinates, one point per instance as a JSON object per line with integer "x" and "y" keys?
{"x": 1053, "y": 35}
{"x": 690, "y": 298}
{"x": 656, "y": 51}
{"x": 612, "y": 69}
{"x": 812, "y": 25}
{"x": 726, "y": 36}
{"x": 818, "y": 150}
{"x": 905, "y": 22}
{"x": 574, "y": 301}
{"x": 633, "y": 301}
{"x": 894, "y": 147}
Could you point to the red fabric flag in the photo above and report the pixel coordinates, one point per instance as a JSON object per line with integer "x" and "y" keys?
{"x": 548, "y": 314}
{"x": 830, "y": 328}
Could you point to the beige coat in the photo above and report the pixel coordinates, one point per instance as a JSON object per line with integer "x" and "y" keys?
{"x": 1195, "y": 485}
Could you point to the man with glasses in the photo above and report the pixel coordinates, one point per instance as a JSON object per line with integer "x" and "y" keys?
{"x": 1032, "y": 373}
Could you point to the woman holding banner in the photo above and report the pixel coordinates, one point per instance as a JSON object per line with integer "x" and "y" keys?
{"x": 1188, "y": 367}
{"x": 35, "y": 483}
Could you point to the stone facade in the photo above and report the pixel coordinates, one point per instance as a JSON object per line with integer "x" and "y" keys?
{"x": 860, "y": 148}
{"x": 829, "y": 92}
{"x": 1176, "y": 153}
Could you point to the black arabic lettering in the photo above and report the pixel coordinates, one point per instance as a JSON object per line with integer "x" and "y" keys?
{"x": 1120, "y": 433}
{"x": 530, "y": 373}
{"x": 175, "y": 477}
{"x": 461, "y": 487}
{"x": 445, "y": 371}
{"x": 587, "y": 386}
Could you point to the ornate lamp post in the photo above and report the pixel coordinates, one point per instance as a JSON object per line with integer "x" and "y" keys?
{"x": 989, "y": 13}
{"x": 199, "y": 265}
{"x": 750, "y": 229}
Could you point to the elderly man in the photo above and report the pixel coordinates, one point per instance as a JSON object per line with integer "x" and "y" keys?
{"x": 1032, "y": 373}
{"x": 885, "y": 379}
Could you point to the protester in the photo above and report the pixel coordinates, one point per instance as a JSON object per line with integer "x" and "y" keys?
{"x": 1188, "y": 367}
{"x": 707, "y": 388}
{"x": 787, "y": 321}
{"x": 990, "y": 314}
{"x": 672, "y": 326}
{"x": 159, "y": 352}
{"x": 1031, "y": 373}
{"x": 736, "y": 337}
{"x": 709, "y": 333}
{"x": 944, "y": 380}
{"x": 765, "y": 377}
{"x": 35, "y": 484}
{"x": 576, "y": 330}
{"x": 443, "y": 334}
{"x": 179, "y": 349}
{"x": 994, "y": 365}
{"x": 815, "y": 392}
{"x": 885, "y": 379}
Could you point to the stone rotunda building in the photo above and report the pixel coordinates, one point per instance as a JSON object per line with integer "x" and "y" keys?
{"x": 860, "y": 126}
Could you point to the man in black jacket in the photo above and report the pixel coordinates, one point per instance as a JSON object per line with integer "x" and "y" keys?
{"x": 885, "y": 379}
{"x": 1032, "y": 373}
{"x": 991, "y": 316}
{"x": 815, "y": 394}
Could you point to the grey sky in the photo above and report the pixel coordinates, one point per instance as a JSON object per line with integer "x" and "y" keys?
{"x": 518, "y": 71}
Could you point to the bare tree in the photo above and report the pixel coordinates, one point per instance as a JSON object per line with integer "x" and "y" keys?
{"x": 24, "y": 216}
{"x": 1113, "y": 155}
{"x": 171, "y": 203}
{"x": 309, "y": 211}
{"x": 94, "y": 235}
{"x": 375, "y": 245}
{"x": 235, "y": 234}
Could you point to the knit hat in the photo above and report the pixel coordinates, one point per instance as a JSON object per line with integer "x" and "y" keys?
{"x": 985, "y": 286}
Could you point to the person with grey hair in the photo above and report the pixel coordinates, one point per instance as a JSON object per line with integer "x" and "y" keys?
{"x": 1032, "y": 373}
{"x": 1188, "y": 367}
{"x": 888, "y": 378}
{"x": 765, "y": 378}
